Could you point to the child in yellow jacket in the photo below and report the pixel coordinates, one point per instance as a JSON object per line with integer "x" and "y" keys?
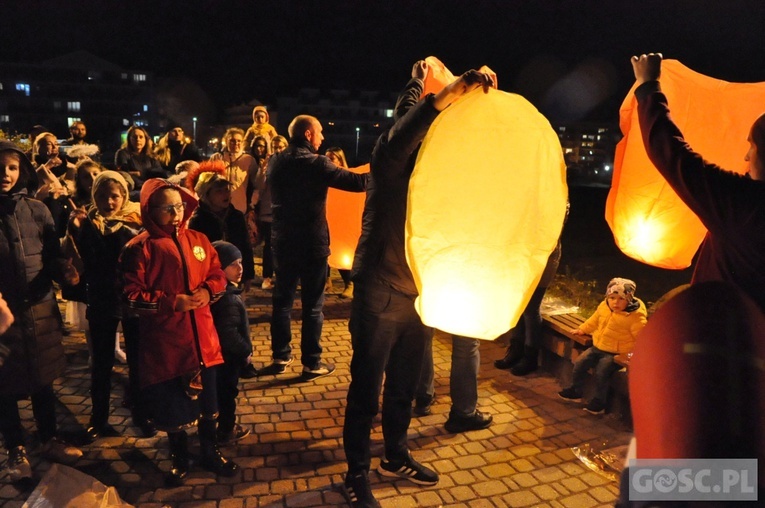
{"x": 614, "y": 327}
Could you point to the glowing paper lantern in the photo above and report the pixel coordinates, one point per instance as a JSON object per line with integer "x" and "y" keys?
{"x": 487, "y": 200}
{"x": 649, "y": 221}
{"x": 344, "y": 211}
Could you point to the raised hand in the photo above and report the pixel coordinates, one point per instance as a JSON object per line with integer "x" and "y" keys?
{"x": 647, "y": 67}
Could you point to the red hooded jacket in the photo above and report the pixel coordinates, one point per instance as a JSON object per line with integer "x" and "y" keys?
{"x": 157, "y": 265}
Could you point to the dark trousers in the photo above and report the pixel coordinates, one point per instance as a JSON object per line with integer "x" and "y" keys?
{"x": 103, "y": 330}
{"x": 227, "y": 382}
{"x": 264, "y": 231}
{"x": 208, "y": 399}
{"x": 43, "y": 409}
{"x": 388, "y": 338}
{"x": 530, "y": 324}
{"x": 312, "y": 274}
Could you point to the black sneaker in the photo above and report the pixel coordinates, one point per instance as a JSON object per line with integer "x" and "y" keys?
{"x": 321, "y": 369}
{"x": 476, "y": 421}
{"x": 278, "y": 366}
{"x": 248, "y": 372}
{"x": 570, "y": 394}
{"x": 409, "y": 469}
{"x": 422, "y": 406}
{"x": 237, "y": 433}
{"x": 357, "y": 491}
{"x": 596, "y": 407}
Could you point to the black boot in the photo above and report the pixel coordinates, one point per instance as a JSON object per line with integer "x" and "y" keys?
{"x": 513, "y": 354}
{"x": 528, "y": 363}
{"x": 211, "y": 458}
{"x": 179, "y": 454}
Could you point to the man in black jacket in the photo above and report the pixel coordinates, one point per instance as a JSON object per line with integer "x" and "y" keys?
{"x": 299, "y": 179}
{"x": 387, "y": 334}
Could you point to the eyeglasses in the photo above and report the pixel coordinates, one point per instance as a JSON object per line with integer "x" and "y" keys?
{"x": 176, "y": 209}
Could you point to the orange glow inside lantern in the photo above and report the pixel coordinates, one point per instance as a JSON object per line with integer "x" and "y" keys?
{"x": 649, "y": 221}
{"x": 344, "y": 210}
{"x": 486, "y": 204}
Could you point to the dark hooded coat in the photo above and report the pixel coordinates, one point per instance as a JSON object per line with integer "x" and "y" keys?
{"x": 30, "y": 258}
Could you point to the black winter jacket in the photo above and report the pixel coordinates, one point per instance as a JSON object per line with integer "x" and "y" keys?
{"x": 30, "y": 257}
{"x": 380, "y": 255}
{"x": 231, "y": 227}
{"x": 233, "y": 327}
{"x": 299, "y": 180}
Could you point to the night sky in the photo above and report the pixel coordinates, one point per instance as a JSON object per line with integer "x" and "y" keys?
{"x": 569, "y": 57}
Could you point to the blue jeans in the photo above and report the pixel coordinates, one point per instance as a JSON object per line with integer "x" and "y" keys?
{"x": 603, "y": 366}
{"x": 388, "y": 338}
{"x": 312, "y": 274}
{"x": 463, "y": 379}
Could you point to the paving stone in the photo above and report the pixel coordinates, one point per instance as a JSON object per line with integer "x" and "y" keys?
{"x": 294, "y": 456}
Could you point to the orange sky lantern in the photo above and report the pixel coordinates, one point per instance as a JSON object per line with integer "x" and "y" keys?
{"x": 649, "y": 221}
{"x": 486, "y": 206}
{"x": 344, "y": 211}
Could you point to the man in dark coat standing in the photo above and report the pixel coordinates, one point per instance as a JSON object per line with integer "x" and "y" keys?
{"x": 299, "y": 179}
{"x": 387, "y": 334}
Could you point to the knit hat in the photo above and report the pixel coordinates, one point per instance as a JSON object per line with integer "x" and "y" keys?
{"x": 622, "y": 287}
{"x": 227, "y": 252}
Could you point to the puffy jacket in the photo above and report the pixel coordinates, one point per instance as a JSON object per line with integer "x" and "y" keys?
{"x": 157, "y": 265}
{"x": 30, "y": 256}
{"x": 615, "y": 332}
{"x": 230, "y": 316}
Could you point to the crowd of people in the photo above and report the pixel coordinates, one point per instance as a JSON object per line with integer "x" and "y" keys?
{"x": 161, "y": 247}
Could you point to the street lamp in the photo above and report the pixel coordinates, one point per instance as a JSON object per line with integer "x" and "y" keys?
{"x": 194, "y": 130}
{"x": 358, "y": 130}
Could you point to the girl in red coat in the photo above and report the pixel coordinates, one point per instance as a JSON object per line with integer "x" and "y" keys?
{"x": 172, "y": 274}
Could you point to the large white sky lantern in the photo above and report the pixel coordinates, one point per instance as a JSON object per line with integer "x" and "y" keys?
{"x": 487, "y": 201}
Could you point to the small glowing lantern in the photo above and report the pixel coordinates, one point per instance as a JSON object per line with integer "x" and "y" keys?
{"x": 486, "y": 204}
{"x": 649, "y": 221}
{"x": 344, "y": 211}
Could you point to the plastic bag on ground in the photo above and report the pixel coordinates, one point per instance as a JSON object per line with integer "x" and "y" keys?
{"x": 66, "y": 487}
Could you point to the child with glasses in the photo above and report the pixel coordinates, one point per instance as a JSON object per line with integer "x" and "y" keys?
{"x": 172, "y": 274}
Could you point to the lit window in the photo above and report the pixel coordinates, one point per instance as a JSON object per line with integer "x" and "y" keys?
{"x": 23, "y": 87}
{"x": 388, "y": 113}
{"x": 73, "y": 106}
{"x": 5, "y": 118}
{"x": 70, "y": 120}
{"x": 125, "y": 122}
{"x": 56, "y": 105}
{"x": 124, "y": 75}
{"x": 145, "y": 108}
{"x": 138, "y": 78}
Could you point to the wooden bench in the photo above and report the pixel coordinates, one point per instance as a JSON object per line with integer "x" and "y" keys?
{"x": 557, "y": 336}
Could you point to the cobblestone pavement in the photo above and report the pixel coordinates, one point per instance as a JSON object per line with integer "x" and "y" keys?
{"x": 294, "y": 455}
